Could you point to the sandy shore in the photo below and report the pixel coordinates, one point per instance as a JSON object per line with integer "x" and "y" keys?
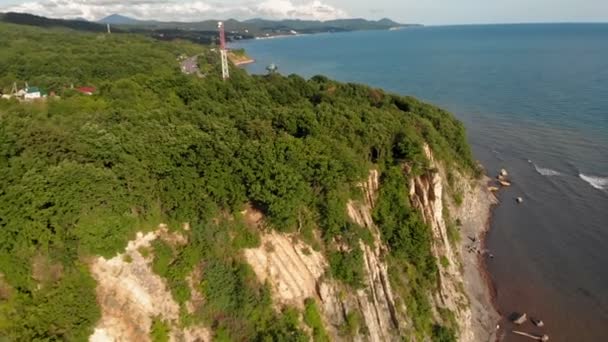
{"x": 244, "y": 62}
{"x": 475, "y": 214}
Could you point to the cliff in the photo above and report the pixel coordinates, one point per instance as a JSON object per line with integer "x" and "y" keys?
{"x": 239, "y": 58}
{"x": 296, "y": 272}
{"x": 463, "y": 287}
{"x": 295, "y": 275}
{"x": 132, "y": 296}
{"x": 82, "y": 175}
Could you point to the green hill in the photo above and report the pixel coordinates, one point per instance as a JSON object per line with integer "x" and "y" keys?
{"x": 79, "y": 175}
{"x": 261, "y": 27}
{"x": 204, "y": 32}
{"x": 34, "y": 20}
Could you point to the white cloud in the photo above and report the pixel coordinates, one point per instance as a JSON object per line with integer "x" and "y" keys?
{"x": 287, "y": 9}
{"x": 189, "y": 10}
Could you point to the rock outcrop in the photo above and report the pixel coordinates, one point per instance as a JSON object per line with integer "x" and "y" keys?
{"x": 463, "y": 288}
{"x": 131, "y": 295}
{"x": 296, "y": 272}
{"x": 427, "y": 195}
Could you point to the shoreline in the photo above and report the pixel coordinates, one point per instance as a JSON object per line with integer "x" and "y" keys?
{"x": 485, "y": 272}
{"x": 279, "y": 36}
{"x": 476, "y": 214}
{"x": 244, "y": 62}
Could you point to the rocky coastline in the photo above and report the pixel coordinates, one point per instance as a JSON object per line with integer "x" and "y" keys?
{"x": 475, "y": 215}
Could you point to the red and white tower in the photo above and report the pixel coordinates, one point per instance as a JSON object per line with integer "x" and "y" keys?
{"x": 223, "y": 53}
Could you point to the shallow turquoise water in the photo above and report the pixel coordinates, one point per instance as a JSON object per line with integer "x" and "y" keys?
{"x": 535, "y": 101}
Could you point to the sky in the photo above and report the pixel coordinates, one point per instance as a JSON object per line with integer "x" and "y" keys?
{"x": 429, "y": 12}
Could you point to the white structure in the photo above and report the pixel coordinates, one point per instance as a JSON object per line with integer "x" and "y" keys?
{"x": 32, "y": 94}
{"x": 223, "y": 53}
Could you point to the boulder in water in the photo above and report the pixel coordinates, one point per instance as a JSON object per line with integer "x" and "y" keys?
{"x": 520, "y": 318}
{"x": 542, "y": 338}
{"x": 504, "y": 173}
{"x": 504, "y": 183}
{"x": 539, "y": 323}
{"x": 519, "y": 200}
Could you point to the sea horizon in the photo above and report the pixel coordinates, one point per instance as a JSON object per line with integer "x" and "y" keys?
{"x": 516, "y": 23}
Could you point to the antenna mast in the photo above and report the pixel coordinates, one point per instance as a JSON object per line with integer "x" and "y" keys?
{"x": 223, "y": 53}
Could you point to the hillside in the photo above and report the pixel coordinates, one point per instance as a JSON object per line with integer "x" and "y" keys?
{"x": 34, "y": 20}
{"x": 167, "y": 205}
{"x": 204, "y": 32}
{"x": 261, "y": 27}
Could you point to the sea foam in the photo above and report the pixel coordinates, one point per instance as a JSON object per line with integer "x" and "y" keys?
{"x": 600, "y": 183}
{"x": 546, "y": 172}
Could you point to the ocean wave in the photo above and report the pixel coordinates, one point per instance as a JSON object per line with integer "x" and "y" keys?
{"x": 546, "y": 172}
{"x": 600, "y": 183}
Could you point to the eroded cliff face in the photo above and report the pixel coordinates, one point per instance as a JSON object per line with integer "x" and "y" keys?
{"x": 462, "y": 286}
{"x": 427, "y": 195}
{"x": 131, "y": 295}
{"x": 296, "y": 272}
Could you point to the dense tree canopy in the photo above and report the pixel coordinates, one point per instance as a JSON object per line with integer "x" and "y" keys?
{"x": 79, "y": 175}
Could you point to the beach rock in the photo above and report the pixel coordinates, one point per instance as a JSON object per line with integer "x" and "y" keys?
{"x": 520, "y": 319}
{"x": 504, "y": 173}
{"x": 539, "y": 323}
{"x": 543, "y": 338}
{"x": 504, "y": 183}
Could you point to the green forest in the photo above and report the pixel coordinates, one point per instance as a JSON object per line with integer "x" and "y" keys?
{"x": 80, "y": 175}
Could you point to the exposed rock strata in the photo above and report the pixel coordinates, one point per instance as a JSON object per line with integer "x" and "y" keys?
{"x": 295, "y": 275}
{"x": 296, "y": 272}
{"x": 463, "y": 288}
{"x": 426, "y": 194}
{"x": 131, "y": 295}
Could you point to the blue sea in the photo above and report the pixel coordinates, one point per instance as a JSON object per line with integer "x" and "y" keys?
{"x": 534, "y": 98}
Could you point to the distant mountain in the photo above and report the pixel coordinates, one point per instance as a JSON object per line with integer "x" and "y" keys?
{"x": 261, "y": 27}
{"x": 34, "y": 20}
{"x": 312, "y": 26}
{"x": 117, "y": 19}
{"x": 205, "y": 32}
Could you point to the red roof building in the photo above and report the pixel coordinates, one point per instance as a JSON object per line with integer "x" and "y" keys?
{"x": 86, "y": 90}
